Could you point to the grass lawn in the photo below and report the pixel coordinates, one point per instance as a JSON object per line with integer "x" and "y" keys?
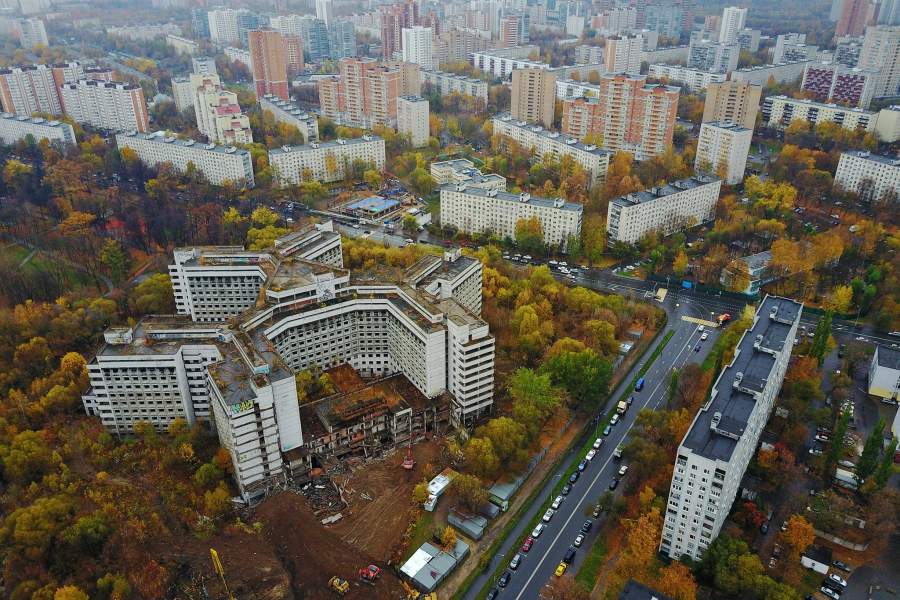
{"x": 587, "y": 574}
{"x": 41, "y": 262}
{"x": 421, "y": 533}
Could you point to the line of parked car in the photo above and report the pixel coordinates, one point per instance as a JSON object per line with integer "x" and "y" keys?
{"x": 548, "y": 515}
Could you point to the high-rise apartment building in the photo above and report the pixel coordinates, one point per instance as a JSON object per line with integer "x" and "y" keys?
{"x": 847, "y": 51}
{"x": 325, "y": 161}
{"x": 219, "y": 115}
{"x": 533, "y": 96}
{"x": 454, "y": 45}
{"x": 218, "y": 164}
{"x": 203, "y": 65}
{"x": 888, "y": 13}
{"x": 615, "y": 21}
{"x": 342, "y": 40}
{"x": 223, "y": 25}
{"x": 665, "y": 209}
{"x": 722, "y": 150}
{"x": 412, "y": 119}
{"x": 316, "y": 39}
{"x": 733, "y": 102}
{"x": 183, "y": 93}
{"x": 417, "y": 46}
{"x": 713, "y": 57}
{"x": 855, "y": 16}
{"x": 200, "y": 23}
{"x": 733, "y": 20}
{"x": 665, "y": 19}
{"x": 628, "y": 113}
{"x": 450, "y": 83}
{"x": 30, "y": 89}
{"x": 365, "y": 91}
{"x": 714, "y": 454}
{"x": 394, "y": 17}
{"x": 514, "y": 30}
{"x": 32, "y": 33}
{"x": 109, "y": 105}
{"x": 268, "y": 54}
{"x": 833, "y": 82}
{"x": 874, "y": 177}
{"x": 325, "y": 11}
{"x": 594, "y": 160}
{"x": 881, "y": 52}
{"x": 623, "y": 54}
{"x": 790, "y": 47}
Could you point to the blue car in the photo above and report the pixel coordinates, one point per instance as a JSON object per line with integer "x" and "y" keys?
{"x": 607, "y": 430}
{"x": 639, "y": 385}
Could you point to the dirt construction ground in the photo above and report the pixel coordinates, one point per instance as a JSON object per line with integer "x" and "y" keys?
{"x": 312, "y": 554}
{"x": 379, "y": 495}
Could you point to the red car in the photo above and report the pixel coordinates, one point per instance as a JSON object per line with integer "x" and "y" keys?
{"x": 529, "y": 542}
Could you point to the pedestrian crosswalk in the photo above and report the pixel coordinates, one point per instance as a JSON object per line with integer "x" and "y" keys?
{"x": 699, "y": 321}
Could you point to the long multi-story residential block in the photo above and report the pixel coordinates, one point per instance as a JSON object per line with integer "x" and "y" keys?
{"x": 290, "y": 113}
{"x": 887, "y": 124}
{"x": 203, "y": 65}
{"x": 110, "y": 105}
{"x": 664, "y": 209}
{"x": 218, "y": 164}
{"x": 847, "y": 51}
{"x": 182, "y": 45}
{"x": 696, "y": 80}
{"x": 502, "y": 61}
{"x": 475, "y": 209}
{"x": 791, "y": 47}
{"x": 666, "y": 54}
{"x": 732, "y": 101}
{"x": 628, "y": 113}
{"x": 594, "y": 160}
{"x": 872, "y": 176}
{"x": 449, "y": 83}
{"x": 32, "y": 33}
{"x": 460, "y": 170}
{"x": 716, "y": 450}
{"x": 786, "y": 72}
{"x": 781, "y": 111}
{"x": 833, "y": 82}
{"x": 588, "y": 54}
{"x": 325, "y": 161}
{"x": 14, "y": 128}
{"x": 421, "y": 324}
{"x": 144, "y": 33}
{"x": 722, "y": 150}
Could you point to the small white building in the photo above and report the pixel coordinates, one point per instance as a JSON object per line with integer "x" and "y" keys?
{"x": 14, "y": 128}
{"x": 884, "y": 374}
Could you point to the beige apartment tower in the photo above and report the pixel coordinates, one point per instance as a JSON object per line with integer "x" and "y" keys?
{"x": 533, "y": 96}
{"x": 732, "y": 101}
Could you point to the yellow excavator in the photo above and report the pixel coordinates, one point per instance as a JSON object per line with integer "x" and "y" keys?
{"x": 339, "y": 585}
{"x": 414, "y": 594}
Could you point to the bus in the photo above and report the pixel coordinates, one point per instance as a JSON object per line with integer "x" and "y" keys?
{"x": 661, "y": 294}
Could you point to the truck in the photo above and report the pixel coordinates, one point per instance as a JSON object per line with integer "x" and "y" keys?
{"x": 621, "y": 407}
{"x": 661, "y": 294}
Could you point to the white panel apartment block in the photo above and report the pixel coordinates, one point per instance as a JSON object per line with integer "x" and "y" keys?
{"x": 219, "y": 164}
{"x": 479, "y": 210}
{"x": 14, "y": 128}
{"x": 872, "y": 176}
{"x": 666, "y": 209}
{"x": 716, "y": 450}
{"x": 294, "y": 164}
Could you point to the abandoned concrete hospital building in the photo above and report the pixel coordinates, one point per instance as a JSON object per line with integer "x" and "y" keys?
{"x": 248, "y": 321}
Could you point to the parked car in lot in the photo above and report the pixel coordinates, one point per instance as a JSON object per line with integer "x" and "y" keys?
{"x": 615, "y": 420}
{"x": 574, "y": 477}
{"x": 705, "y": 336}
{"x": 586, "y": 526}
{"x": 697, "y": 348}
{"x": 537, "y": 531}
{"x": 607, "y": 430}
{"x": 837, "y": 579}
{"x": 570, "y": 555}
{"x": 579, "y": 539}
{"x": 613, "y": 484}
{"x": 582, "y": 465}
{"x": 557, "y": 502}
{"x": 515, "y": 562}
{"x": 829, "y": 592}
{"x": 548, "y": 515}
{"x": 597, "y": 443}
{"x": 560, "y": 569}
{"x": 504, "y": 579}
{"x": 590, "y": 455}
{"x": 622, "y": 470}
{"x": 492, "y": 595}
{"x": 526, "y": 546}
{"x": 838, "y": 564}
{"x": 566, "y": 489}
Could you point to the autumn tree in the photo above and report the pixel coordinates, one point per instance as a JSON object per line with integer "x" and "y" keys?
{"x": 470, "y": 491}
{"x": 534, "y": 399}
{"x": 153, "y": 295}
{"x": 868, "y": 460}
{"x": 481, "y": 457}
{"x": 583, "y": 374}
{"x": 563, "y": 588}
{"x": 799, "y": 535}
{"x": 507, "y": 438}
{"x": 420, "y": 493}
{"x": 677, "y": 582}
{"x": 530, "y": 235}
{"x": 448, "y": 538}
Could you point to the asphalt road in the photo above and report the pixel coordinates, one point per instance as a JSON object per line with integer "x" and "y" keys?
{"x": 539, "y": 564}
